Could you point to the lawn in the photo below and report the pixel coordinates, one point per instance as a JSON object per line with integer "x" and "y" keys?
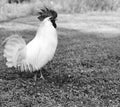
{"x": 85, "y": 72}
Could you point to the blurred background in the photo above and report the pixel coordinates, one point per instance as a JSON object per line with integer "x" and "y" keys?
{"x": 17, "y": 8}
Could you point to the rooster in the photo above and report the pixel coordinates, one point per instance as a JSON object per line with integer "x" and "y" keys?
{"x": 32, "y": 56}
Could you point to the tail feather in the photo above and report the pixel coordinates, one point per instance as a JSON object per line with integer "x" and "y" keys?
{"x": 9, "y": 64}
{"x": 12, "y": 46}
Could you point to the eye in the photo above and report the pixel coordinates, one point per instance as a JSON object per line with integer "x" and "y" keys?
{"x": 51, "y": 18}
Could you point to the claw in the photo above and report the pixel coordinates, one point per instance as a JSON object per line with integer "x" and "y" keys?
{"x": 41, "y": 77}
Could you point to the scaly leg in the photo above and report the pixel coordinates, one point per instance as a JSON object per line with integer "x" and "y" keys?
{"x": 41, "y": 75}
{"x": 35, "y": 77}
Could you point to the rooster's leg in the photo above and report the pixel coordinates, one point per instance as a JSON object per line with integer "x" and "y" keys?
{"x": 41, "y": 75}
{"x": 35, "y": 76}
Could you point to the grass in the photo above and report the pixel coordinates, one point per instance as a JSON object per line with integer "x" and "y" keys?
{"x": 13, "y": 10}
{"x": 85, "y": 72}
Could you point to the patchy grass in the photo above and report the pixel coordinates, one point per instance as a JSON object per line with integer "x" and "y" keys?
{"x": 85, "y": 72}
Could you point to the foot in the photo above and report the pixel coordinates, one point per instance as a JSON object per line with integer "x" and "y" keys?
{"x": 41, "y": 77}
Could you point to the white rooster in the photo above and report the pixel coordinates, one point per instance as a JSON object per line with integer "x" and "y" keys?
{"x": 39, "y": 51}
